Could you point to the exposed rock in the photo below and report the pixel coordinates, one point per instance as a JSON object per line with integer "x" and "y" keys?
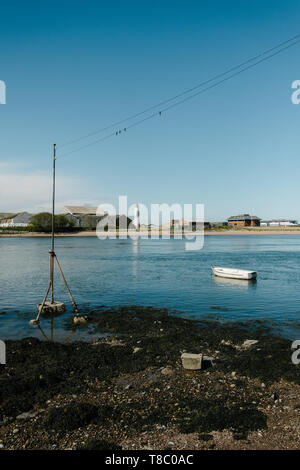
{"x": 136, "y": 350}
{"x": 80, "y": 320}
{"x": 167, "y": 371}
{"x": 208, "y": 358}
{"x": 27, "y": 415}
{"x": 248, "y": 343}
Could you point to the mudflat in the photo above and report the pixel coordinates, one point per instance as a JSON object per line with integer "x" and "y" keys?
{"x": 128, "y": 390}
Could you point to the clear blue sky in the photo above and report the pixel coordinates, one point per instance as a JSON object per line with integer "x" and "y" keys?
{"x": 73, "y": 67}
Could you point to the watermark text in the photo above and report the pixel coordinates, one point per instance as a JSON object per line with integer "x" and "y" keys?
{"x": 2, "y": 352}
{"x": 162, "y": 220}
{"x": 2, "y": 92}
{"x": 296, "y": 94}
{"x": 296, "y": 354}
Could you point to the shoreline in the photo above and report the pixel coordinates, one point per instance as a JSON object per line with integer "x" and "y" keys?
{"x": 153, "y": 234}
{"x": 129, "y": 390}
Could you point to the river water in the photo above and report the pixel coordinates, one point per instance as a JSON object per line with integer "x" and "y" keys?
{"x": 159, "y": 273}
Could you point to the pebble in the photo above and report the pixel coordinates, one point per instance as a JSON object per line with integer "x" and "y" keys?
{"x": 167, "y": 371}
{"x": 249, "y": 342}
{"x": 136, "y": 350}
{"x": 208, "y": 358}
{"x": 27, "y": 415}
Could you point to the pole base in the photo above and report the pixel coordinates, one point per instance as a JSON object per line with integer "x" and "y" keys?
{"x": 80, "y": 320}
{"x": 50, "y": 310}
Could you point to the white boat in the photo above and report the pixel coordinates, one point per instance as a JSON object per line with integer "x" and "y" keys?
{"x": 234, "y": 273}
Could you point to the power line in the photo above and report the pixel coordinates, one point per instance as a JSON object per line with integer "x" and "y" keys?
{"x": 162, "y": 110}
{"x": 180, "y": 94}
{"x": 215, "y": 84}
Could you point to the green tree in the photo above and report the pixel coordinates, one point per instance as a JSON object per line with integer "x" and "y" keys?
{"x": 42, "y": 222}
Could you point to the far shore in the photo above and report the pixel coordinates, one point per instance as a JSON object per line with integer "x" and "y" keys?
{"x": 157, "y": 233}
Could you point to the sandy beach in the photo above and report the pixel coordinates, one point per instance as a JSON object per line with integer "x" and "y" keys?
{"x": 153, "y": 234}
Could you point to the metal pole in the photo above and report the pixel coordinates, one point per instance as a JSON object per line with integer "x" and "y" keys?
{"x": 53, "y": 194}
{"x": 53, "y": 257}
{"x": 52, "y": 237}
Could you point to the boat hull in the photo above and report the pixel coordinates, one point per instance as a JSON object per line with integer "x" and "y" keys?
{"x": 234, "y": 273}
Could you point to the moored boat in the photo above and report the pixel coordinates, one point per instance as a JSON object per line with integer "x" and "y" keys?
{"x": 234, "y": 273}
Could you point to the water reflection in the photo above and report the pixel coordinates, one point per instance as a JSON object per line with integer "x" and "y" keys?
{"x": 50, "y": 336}
{"x": 240, "y": 283}
{"x": 160, "y": 273}
{"x": 135, "y": 251}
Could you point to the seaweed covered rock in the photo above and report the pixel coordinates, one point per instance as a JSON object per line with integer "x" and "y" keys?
{"x": 75, "y": 415}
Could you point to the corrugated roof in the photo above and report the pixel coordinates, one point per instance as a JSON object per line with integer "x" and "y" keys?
{"x": 6, "y": 215}
{"x": 80, "y": 210}
{"x": 12, "y": 215}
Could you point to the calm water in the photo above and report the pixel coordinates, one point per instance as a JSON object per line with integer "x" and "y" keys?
{"x": 152, "y": 272}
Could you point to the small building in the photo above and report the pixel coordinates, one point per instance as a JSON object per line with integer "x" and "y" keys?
{"x": 279, "y": 223}
{"x": 114, "y": 222}
{"x": 6, "y": 215}
{"x": 184, "y": 224}
{"x": 179, "y": 224}
{"x": 175, "y": 224}
{"x": 244, "y": 220}
{"x": 20, "y": 219}
{"x": 83, "y": 216}
{"x": 195, "y": 225}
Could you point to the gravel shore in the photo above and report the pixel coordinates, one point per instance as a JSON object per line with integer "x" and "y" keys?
{"x": 128, "y": 390}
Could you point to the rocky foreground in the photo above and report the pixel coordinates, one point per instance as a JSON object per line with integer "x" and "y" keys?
{"x": 130, "y": 391}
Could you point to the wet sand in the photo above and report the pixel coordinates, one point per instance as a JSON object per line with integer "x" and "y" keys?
{"x": 130, "y": 391}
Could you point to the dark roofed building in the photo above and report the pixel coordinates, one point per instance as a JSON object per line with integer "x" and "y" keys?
{"x": 83, "y": 216}
{"x": 113, "y": 222}
{"x": 20, "y": 219}
{"x": 244, "y": 220}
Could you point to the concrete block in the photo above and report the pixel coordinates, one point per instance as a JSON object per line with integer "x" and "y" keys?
{"x": 191, "y": 361}
{"x": 50, "y": 309}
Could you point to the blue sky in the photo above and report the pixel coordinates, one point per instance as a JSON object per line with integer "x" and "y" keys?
{"x": 73, "y": 67}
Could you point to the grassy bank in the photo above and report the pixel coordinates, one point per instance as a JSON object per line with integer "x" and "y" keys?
{"x": 129, "y": 390}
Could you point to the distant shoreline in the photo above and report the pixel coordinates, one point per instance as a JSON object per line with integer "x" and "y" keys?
{"x": 158, "y": 234}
